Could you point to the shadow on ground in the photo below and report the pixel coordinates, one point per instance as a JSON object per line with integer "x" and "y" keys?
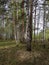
{"x": 14, "y": 56}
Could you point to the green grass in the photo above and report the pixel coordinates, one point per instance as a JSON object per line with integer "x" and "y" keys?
{"x": 18, "y": 55}
{"x": 7, "y": 43}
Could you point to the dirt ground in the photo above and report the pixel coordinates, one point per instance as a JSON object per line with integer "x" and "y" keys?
{"x": 19, "y": 56}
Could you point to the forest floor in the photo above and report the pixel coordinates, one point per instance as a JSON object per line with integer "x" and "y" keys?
{"x": 18, "y": 55}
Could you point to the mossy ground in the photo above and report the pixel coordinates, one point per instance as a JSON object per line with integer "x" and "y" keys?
{"x": 18, "y": 55}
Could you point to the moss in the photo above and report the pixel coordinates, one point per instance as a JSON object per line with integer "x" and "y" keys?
{"x": 38, "y": 55}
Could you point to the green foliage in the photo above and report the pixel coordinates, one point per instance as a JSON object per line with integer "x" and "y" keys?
{"x": 2, "y": 6}
{"x": 47, "y": 34}
{"x": 3, "y": 2}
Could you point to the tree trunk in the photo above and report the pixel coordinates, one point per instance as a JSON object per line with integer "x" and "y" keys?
{"x": 14, "y": 21}
{"x": 44, "y": 23}
{"x": 22, "y": 36}
{"x": 29, "y": 30}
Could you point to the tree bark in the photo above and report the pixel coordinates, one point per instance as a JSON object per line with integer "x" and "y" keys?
{"x": 29, "y": 30}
